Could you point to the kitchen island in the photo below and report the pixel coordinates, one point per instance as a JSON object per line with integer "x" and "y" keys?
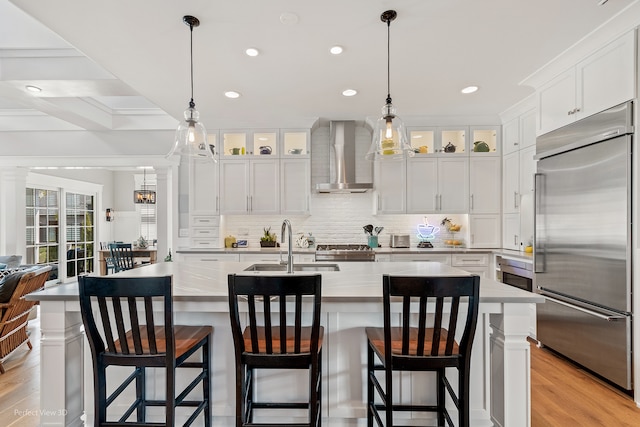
{"x": 352, "y": 300}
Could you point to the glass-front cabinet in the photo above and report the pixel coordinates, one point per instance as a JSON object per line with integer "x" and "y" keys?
{"x": 295, "y": 142}
{"x": 265, "y": 143}
{"x": 249, "y": 143}
{"x": 485, "y": 140}
{"x": 440, "y": 141}
{"x": 452, "y": 140}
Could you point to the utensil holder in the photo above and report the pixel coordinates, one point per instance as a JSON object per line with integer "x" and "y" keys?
{"x": 372, "y": 241}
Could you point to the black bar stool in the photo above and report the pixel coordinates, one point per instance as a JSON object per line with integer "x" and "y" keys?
{"x": 276, "y": 336}
{"x": 417, "y": 345}
{"x": 126, "y": 333}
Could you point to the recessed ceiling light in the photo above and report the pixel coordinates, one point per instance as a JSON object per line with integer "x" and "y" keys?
{"x": 288, "y": 18}
{"x": 232, "y": 94}
{"x": 469, "y": 89}
{"x": 32, "y": 88}
{"x": 336, "y": 50}
{"x": 349, "y": 92}
{"x": 252, "y": 51}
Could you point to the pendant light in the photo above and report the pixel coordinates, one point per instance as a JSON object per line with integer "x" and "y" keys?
{"x": 191, "y": 136}
{"x": 389, "y": 133}
{"x": 144, "y": 196}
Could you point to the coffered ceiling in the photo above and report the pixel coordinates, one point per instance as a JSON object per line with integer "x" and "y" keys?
{"x": 124, "y": 64}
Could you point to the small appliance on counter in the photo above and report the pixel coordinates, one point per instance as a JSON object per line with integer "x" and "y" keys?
{"x": 400, "y": 241}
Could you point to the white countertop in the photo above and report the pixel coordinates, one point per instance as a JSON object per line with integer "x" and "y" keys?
{"x": 356, "y": 281}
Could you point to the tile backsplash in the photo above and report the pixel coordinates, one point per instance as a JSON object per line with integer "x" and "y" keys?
{"x": 336, "y": 218}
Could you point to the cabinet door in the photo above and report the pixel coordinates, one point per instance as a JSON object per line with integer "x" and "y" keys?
{"x": 511, "y": 183}
{"x": 203, "y": 194}
{"x": 511, "y": 231}
{"x": 484, "y": 231}
{"x": 607, "y": 78}
{"x": 557, "y": 102}
{"x": 527, "y": 123}
{"x": 511, "y": 133}
{"x": 422, "y": 185}
{"x": 234, "y": 187}
{"x": 265, "y": 187}
{"x": 484, "y": 185}
{"x": 527, "y": 170}
{"x": 453, "y": 184}
{"x": 295, "y": 183}
{"x": 391, "y": 186}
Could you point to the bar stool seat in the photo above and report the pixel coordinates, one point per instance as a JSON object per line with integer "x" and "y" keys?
{"x": 424, "y": 341}
{"x": 128, "y": 334}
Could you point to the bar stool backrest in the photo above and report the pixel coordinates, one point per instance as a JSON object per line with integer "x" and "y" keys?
{"x": 422, "y": 331}
{"x": 268, "y": 300}
{"x": 127, "y": 329}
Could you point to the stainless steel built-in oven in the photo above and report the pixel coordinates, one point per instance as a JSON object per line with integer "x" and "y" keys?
{"x": 515, "y": 273}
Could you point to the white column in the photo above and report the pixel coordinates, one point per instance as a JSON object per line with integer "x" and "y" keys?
{"x": 61, "y": 365}
{"x": 163, "y": 210}
{"x": 13, "y": 223}
{"x": 511, "y": 366}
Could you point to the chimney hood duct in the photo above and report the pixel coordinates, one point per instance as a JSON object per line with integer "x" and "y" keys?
{"x": 342, "y": 165}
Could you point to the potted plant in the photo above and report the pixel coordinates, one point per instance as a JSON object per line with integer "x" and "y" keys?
{"x": 268, "y": 239}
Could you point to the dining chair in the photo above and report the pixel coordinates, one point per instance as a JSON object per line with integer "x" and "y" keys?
{"x": 423, "y": 339}
{"x": 281, "y": 330}
{"x": 129, "y": 322}
{"x": 122, "y": 254}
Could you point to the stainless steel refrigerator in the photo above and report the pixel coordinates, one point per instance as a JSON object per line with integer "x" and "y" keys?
{"x": 583, "y": 246}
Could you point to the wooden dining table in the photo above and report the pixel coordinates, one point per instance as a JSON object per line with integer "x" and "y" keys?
{"x": 150, "y": 253}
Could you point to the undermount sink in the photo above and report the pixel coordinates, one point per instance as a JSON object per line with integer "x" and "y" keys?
{"x": 296, "y": 267}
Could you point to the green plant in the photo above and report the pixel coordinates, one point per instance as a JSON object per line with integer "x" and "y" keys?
{"x": 268, "y": 236}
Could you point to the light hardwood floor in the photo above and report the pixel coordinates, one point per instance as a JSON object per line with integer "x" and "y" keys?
{"x": 561, "y": 395}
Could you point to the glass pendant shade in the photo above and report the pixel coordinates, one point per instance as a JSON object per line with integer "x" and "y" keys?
{"x": 389, "y": 140}
{"x": 191, "y": 138}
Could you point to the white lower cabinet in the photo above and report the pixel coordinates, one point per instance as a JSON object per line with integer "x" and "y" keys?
{"x": 475, "y": 263}
{"x": 262, "y": 257}
{"x": 511, "y": 231}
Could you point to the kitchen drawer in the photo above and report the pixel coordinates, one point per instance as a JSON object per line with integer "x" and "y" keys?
{"x": 441, "y": 258}
{"x": 273, "y": 257}
{"x": 204, "y": 221}
{"x": 469, "y": 260}
{"x": 480, "y": 271}
{"x": 211, "y": 257}
{"x": 204, "y": 243}
{"x": 204, "y": 232}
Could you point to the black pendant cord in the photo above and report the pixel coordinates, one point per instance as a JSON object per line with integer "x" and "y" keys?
{"x": 388, "y": 61}
{"x": 191, "y": 103}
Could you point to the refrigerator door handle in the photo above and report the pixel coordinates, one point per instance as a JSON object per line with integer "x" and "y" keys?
{"x": 539, "y": 265}
{"x": 607, "y": 317}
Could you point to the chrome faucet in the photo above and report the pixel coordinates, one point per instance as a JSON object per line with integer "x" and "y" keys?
{"x": 286, "y": 224}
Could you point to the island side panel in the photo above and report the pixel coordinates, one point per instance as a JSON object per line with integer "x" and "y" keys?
{"x": 61, "y": 365}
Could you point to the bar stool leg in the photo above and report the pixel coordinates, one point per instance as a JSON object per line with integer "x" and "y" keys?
{"x": 370, "y": 397}
{"x": 206, "y": 383}
{"x": 388, "y": 375}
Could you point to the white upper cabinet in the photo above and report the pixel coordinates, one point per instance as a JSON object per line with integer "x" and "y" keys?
{"x": 249, "y": 187}
{"x": 602, "y": 80}
{"x": 203, "y": 185}
{"x": 295, "y": 186}
{"x": 390, "y": 184}
{"x": 437, "y": 185}
{"x": 511, "y": 183}
{"x": 422, "y": 185}
{"x": 484, "y": 185}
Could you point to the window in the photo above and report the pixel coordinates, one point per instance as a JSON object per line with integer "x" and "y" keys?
{"x": 79, "y": 212}
{"x": 48, "y": 238}
{"x": 43, "y": 227}
{"x": 147, "y": 212}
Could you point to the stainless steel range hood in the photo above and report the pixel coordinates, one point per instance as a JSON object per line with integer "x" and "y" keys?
{"x": 342, "y": 164}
